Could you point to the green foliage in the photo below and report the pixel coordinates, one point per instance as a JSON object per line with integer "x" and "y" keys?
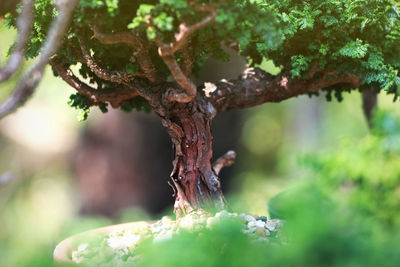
{"x": 365, "y": 175}
{"x": 138, "y": 103}
{"x": 345, "y": 36}
{"x": 362, "y": 37}
{"x": 223, "y": 246}
{"x": 326, "y": 232}
{"x": 81, "y": 103}
{"x": 354, "y": 49}
{"x": 44, "y": 13}
{"x": 300, "y": 64}
{"x": 233, "y": 24}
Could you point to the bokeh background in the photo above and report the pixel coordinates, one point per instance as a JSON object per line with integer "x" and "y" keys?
{"x": 59, "y": 176}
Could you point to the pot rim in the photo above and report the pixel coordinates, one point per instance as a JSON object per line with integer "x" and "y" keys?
{"x": 62, "y": 252}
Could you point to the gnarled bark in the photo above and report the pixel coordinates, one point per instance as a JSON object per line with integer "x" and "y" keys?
{"x": 195, "y": 183}
{"x": 256, "y": 87}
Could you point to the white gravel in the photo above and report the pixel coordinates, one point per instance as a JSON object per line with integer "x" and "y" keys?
{"x": 124, "y": 243}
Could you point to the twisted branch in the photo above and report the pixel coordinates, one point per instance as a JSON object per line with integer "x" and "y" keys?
{"x": 256, "y": 87}
{"x": 24, "y": 26}
{"x": 112, "y": 76}
{"x": 185, "y": 32}
{"x": 190, "y": 89}
{"x": 166, "y": 52}
{"x": 116, "y": 97}
{"x": 32, "y": 77}
{"x": 134, "y": 41}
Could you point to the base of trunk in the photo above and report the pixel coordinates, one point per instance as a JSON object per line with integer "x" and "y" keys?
{"x": 194, "y": 181}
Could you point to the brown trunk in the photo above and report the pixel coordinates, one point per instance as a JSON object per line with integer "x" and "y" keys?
{"x": 194, "y": 181}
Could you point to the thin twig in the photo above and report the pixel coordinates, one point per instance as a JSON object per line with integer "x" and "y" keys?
{"x": 24, "y": 26}
{"x": 32, "y": 77}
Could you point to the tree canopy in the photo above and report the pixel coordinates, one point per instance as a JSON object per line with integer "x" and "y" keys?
{"x": 341, "y": 36}
{"x": 127, "y": 47}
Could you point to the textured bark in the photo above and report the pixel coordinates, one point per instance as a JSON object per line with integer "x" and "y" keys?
{"x": 195, "y": 183}
{"x": 256, "y": 87}
{"x": 132, "y": 156}
{"x": 114, "y": 97}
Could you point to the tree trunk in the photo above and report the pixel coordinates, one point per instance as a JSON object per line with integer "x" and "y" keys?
{"x": 195, "y": 183}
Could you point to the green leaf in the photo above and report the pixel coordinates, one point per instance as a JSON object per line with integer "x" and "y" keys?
{"x": 354, "y": 49}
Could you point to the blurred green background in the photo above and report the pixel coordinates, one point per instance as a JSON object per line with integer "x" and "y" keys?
{"x": 325, "y": 147}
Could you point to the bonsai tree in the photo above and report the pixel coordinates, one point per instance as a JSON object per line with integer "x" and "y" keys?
{"x": 143, "y": 55}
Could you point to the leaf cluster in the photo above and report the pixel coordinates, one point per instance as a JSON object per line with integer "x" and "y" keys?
{"x": 364, "y": 174}
{"x": 343, "y": 36}
{"x": 361, "y": 37}
{"x": 82, "y": 103}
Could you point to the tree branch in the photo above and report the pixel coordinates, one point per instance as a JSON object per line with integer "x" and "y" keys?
{"x": 116, "y": 97}
{"x": 32, "y": 77}
{"x": 24, "y": 25}
{"x": 128, "y": 38}
{"x": 133, "y": 40}
{"x": 190, "y": 89}
{"x": 185, "y": 32}
{"x": 225, "y": 161}
{"x": 166, "y": 52}
{"x": 257, "y": 86}
{"x": 112, "y": 76}
{"x": 187, "y": 60}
